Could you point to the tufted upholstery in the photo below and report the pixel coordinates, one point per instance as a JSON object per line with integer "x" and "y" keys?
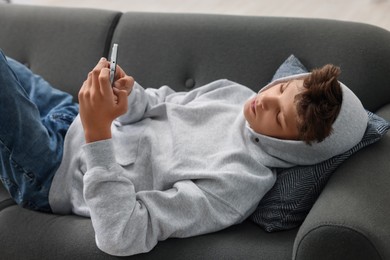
{"x": 349, "y": 220}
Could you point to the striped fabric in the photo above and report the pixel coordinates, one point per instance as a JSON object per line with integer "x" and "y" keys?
{"x": 296, "y": 189}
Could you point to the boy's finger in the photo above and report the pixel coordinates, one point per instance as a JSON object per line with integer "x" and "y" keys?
{"x": 122, "y": 100}
{"x": 120, "y": 84}
{"x": 103, "y": 63}
{"x": 125, "y": 83}
{"x": 93, "y": 76}
{"x": 119, "y": 72}
{"x": 104, "y": 82}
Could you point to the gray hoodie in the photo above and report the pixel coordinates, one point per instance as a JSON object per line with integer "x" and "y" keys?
{"x": 178, "y": 165}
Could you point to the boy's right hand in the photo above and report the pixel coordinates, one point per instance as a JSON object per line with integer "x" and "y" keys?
{"x": 100, "y": 103}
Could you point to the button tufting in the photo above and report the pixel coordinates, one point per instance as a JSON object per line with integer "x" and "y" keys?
{"x": 257, "y": 140}
{"x": 190, "y": 83}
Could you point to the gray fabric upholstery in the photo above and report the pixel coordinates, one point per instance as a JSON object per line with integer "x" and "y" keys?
{"x": 250, "y": 49}
{"x": 353, "y": 209}
{"x": 59, "y": 43}
{"x": 33, "y": 235}
{"x": 186, "y": 51}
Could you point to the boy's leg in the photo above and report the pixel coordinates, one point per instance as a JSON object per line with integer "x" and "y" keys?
{"x": 39, "y": 91}
{"x": 31, "y": 141}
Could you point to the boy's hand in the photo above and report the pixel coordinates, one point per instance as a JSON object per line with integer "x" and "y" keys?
{"x": 123, "y": 81}
{"x": 100, "y": 104}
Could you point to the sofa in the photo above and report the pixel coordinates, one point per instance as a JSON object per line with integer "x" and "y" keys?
{"x": 350, "y": 218}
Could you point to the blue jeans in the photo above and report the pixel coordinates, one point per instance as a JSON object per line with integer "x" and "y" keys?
{"x": 34, "y": 118}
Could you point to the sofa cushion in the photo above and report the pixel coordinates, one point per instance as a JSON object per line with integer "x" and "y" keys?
{"x": 26, "y": 234}
{"x": 286, "y": 205}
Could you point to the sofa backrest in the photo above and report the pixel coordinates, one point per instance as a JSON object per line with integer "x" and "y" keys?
{"x": 180, "y": 49}
{"x": 189, "y": 50}
{"x": 61, "y": 44}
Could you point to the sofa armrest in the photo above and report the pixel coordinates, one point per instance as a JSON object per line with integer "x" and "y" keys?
{"x": 350, "y": 219}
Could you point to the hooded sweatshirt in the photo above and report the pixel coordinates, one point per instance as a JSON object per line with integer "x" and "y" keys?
{"x": 177, "y": 165}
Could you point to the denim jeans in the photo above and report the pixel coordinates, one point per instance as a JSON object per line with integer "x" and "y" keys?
{"x": 34, "y": 118}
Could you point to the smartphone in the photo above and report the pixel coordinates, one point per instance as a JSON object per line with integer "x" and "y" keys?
{"x": 113, "y": 62}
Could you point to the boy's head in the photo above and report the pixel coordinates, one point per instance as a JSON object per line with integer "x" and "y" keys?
{"x": 311, "y": 108}
{"x": 318, "y": 105}
{"x": 298, "y": 109}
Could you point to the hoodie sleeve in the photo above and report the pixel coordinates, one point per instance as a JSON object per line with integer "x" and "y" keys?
{"x": 127, "y": 222}
{"x": 141, "y": 100}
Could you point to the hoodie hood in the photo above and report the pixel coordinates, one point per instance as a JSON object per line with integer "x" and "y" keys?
{"x": 348, "y": 130}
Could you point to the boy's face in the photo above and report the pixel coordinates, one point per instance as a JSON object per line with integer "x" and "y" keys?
{"x": 273, "y": 112}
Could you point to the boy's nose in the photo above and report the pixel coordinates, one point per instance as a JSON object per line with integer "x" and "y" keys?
{"x": 268, "y": 102}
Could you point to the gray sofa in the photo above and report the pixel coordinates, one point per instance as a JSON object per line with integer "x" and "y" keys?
{"x": 350, "y": 219}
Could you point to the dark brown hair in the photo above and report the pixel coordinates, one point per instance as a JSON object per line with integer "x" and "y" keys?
{"x": 319, "y": 104}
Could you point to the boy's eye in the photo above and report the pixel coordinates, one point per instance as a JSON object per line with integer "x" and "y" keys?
{"x": 278, "y": 119}
{"x": 281, "y": 88}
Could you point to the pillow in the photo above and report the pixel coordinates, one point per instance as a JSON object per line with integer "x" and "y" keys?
{"x": 291, "y": 66}
{"x": 296, "y": 189}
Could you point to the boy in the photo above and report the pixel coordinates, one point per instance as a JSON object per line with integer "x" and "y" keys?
{"x": 150, "y": 164}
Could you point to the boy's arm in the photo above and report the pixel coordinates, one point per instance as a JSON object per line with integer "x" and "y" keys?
{"x": 126, "y": 101}
{"x": 140, "y": 101}
{"x": 100, "y": 104}
{"x": 127, "y": 222}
